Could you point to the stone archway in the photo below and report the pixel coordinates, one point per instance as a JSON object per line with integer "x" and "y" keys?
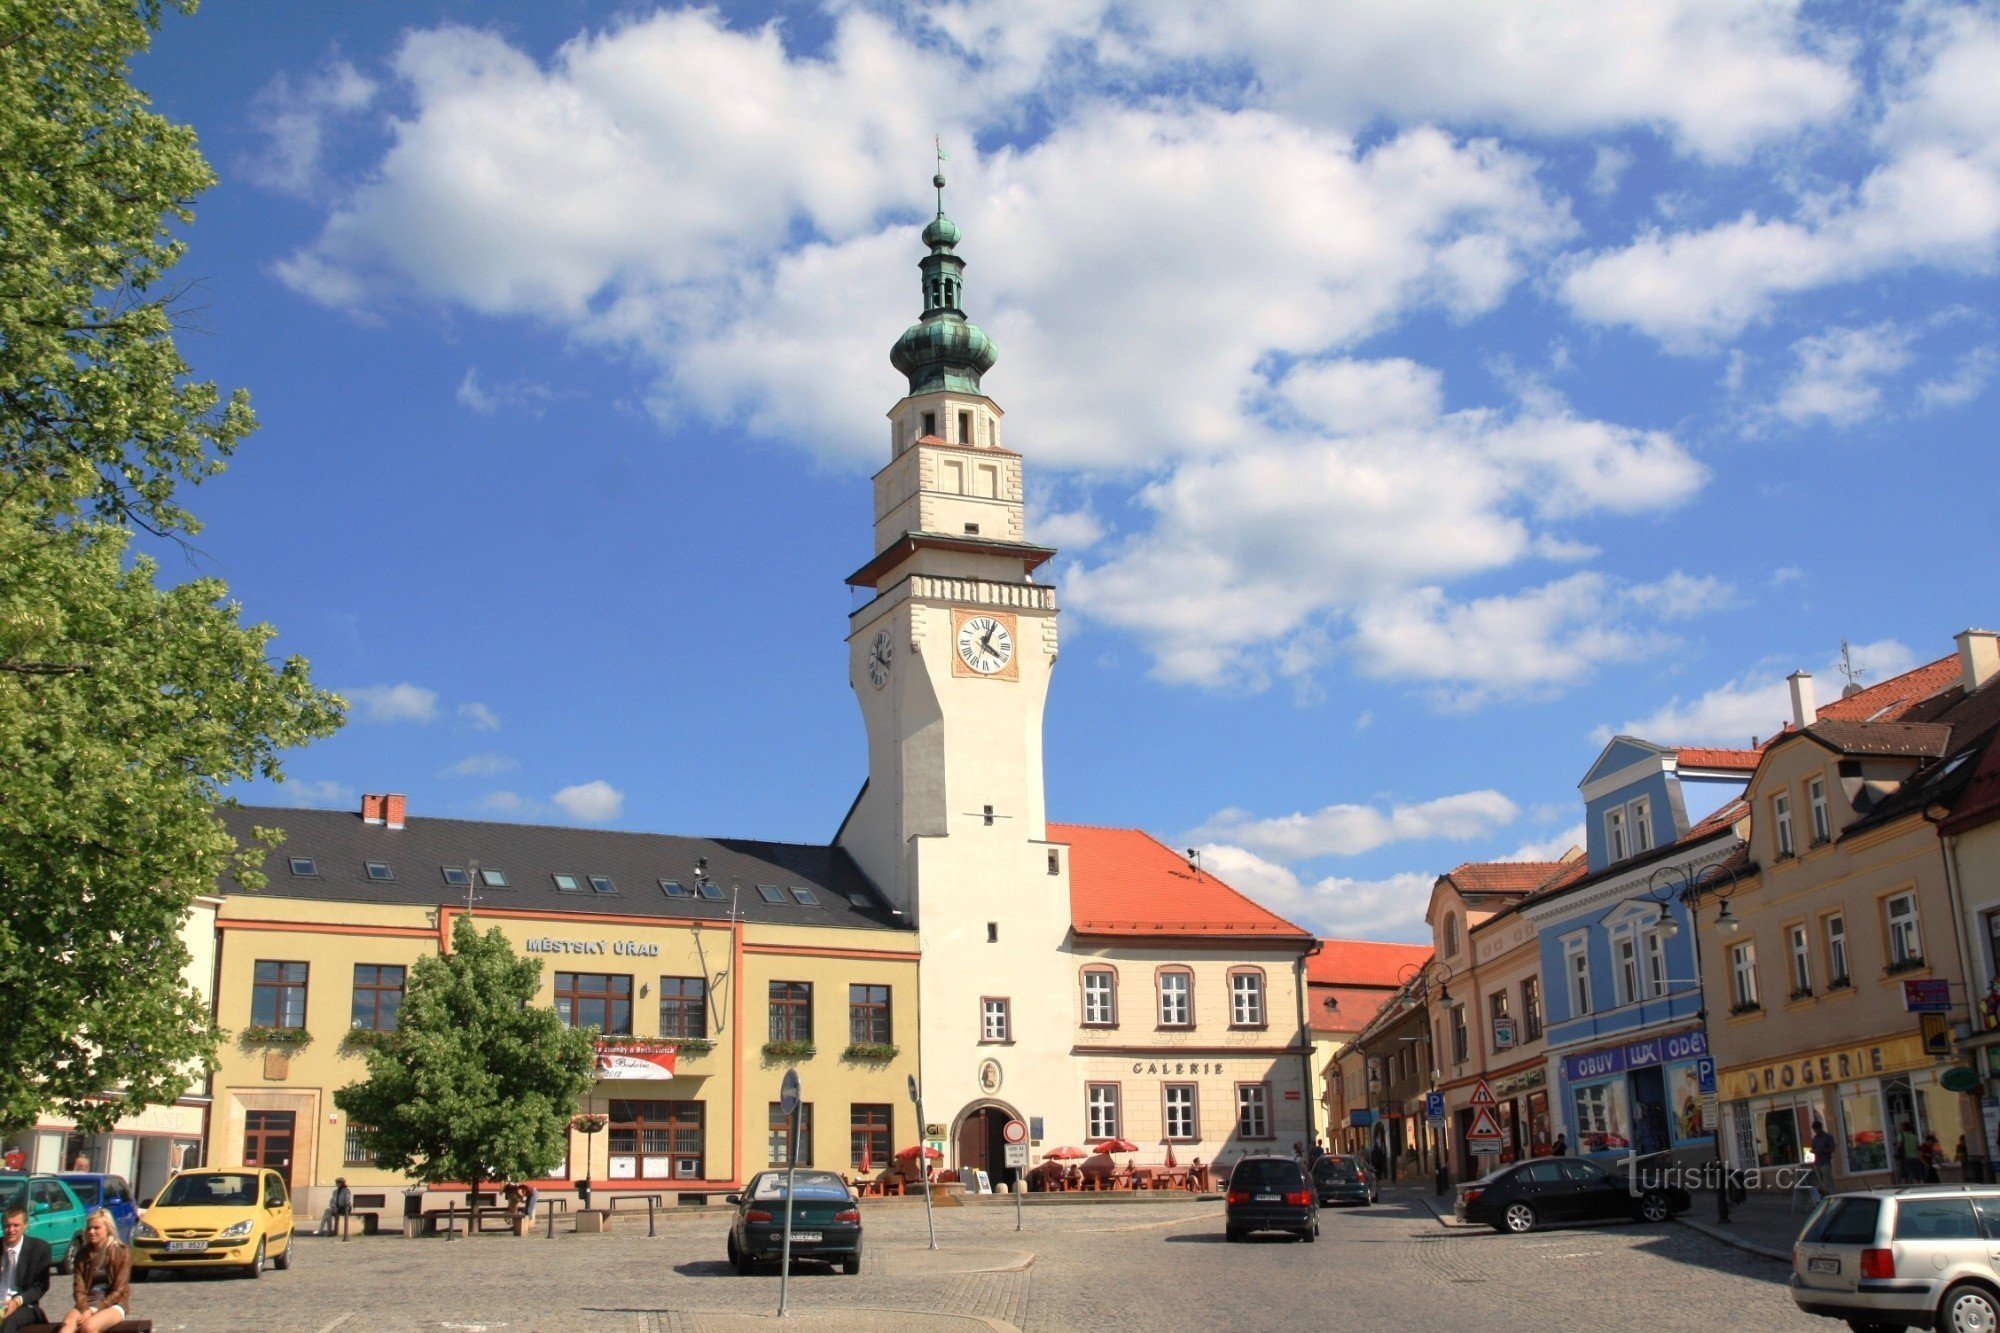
{"x": 975, "y": 1138}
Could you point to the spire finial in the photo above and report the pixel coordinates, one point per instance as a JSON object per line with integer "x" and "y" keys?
{"x": 938, "y": 180}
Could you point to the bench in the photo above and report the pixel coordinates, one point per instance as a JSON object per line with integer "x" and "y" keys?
{"x": 490, "y": 1219}
{"x": 129, "y": 1326}
{"x": 613, "y": 1200}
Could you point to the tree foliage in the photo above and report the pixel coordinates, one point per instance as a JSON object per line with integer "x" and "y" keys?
{"x": 478, "y": 1082}
{"x": 126, "y": 709}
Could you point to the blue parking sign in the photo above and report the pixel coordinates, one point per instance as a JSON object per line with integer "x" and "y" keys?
{"x": 1434, "y": 1105}
{"x": 1704, "y": 1074}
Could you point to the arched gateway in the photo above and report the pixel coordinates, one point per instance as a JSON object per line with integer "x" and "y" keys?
{"x": 976, "y": 1141}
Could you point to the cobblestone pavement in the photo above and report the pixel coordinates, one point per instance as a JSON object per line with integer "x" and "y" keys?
{"x": 1088, "y": 1267}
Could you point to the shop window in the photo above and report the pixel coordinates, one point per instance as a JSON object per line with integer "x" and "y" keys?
{"x": 1863, "y": 1132}
{"x": 654, "y": 1140}
{"x": 1601, "y": 1123}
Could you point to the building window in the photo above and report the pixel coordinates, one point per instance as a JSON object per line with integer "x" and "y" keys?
{"x": 1836, "y": 950}
{"x": 1246, "y": 999}
{"x": 1822, "y": 819}
{"x": 1496, "y": 1009}
{"x": 378, "y": 996}
{"x": 868, "y": 1014}
{"x": 1801, "y": 961}
{"x": 1100, "y": 998}
{"x": 1450, "y": 933}
{"x": 1656, "y": 964}
{"x": 1626, "y": 950}
{"x": 868, "y": 1135}
{"x": 1177, "y": 999}
{"x": 595, "y": 1000}
{"x": 1100, "y": 1111}
{"x": 657, "y": 1140}
{"x": 781, "y": 1135}
{"x": 1461, "y": 1039}
{"x": 1743, "y": 967}
{"x": 1577, "y": 967}
{"x": 791, "y": 1011}
{"x": 1182, "y": 1120}
{"x": 1531, "y": 1008}
{"x": 278, "y": 995}
{"x": 357, "y": 1152}
{"x": 684, "y": 1008}
{"x": 1253, "y": 1110}
{"x": 567, "y": 883}
{"x": 1614, "y": 834}
{"x": 379, "y": 870}
{"x": 996, "y": 1019}
{"x": 305, "y": 867}
{"x": 1992, "y": 934}
{"x": 1641, "y": 813}
{"x": 1781, "y": 824}
{"x": 1905, "y": 944}
{"x": 1055, "y": 862}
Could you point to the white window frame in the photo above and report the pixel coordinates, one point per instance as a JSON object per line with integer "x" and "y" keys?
{"x": 1246, "y": 997}
{"x": 1655, "y": 968}
{"x": 1176, "y": 999}
{"x": 1836, "y": 948}
{"x": 1576, "y": 974}
{"x": 1450, "y": 934}
{"x": 1100, "y": 1009}
{"x": 1182, "y": 1120}
{"x": 1461, "y": 1036}
{"x": 1639, "y": 815}
{"x": 1101, "y": 1112}
{"x": 1822, "y": 819}
{"x": 1743, "y": 972}
{"x": 1801, "y": 942}
{"x": 996, "y": 1018}
{"x": 1615, "y": 845}
{"x": 1781, "y": 825}
{"x": 1253, "y": 1110}
{"x": 1625, "y": 964}
{"x": 1905, "y": 936}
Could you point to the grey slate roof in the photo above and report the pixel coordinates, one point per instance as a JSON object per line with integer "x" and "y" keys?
{"x": 530, "y": 855}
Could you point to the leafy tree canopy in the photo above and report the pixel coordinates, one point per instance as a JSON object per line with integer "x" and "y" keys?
{"x": 478, "y": 1082}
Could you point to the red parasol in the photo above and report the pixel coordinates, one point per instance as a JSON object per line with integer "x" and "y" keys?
{"x": 867, "y": 1158}
{"x": 1064, "y": 1154}
{"x": 1170, "y": 1154}
{"x": 1116, "y": 1145}
{"x": 909, "y": 1154}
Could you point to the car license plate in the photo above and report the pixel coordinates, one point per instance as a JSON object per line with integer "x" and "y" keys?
{"x": 186, "y": 1246}
{"x": 1269, "y": 1198}
{"x": 1823, "y": 1265}
{"x": 808, "y": 1237}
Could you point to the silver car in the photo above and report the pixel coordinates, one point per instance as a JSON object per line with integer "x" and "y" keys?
{"x": 1903, "y": 1258}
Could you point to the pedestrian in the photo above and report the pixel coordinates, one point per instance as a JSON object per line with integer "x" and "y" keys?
{"x": 1958, "y": 1156}
{"x": 1929, "y": 1153}
{"x": 529, "y": 1197}
{"x": 1378, "y": 1157}
{"x": 1560, "y": 1148}
{"x": 1822, "y": 1151}
{"x": 24, "y": 1272}
{"x": 81, "y": 1163}
{"x": 337, "y": 1207}
{"x": 103, "y": 1279}
{"x": 1909, "y": 1151}
{"x": 1318, "y": 1151}
{"x": 1299, "y": 1153}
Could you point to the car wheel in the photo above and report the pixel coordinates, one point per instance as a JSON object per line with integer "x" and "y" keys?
{"x": 68, "y": 1263}
{"x": 256, "y": 1268}
{"x": 851, "y": 1265}
{"x": 736, "y": 1257}
{"x": 1519, "y": 1218}
{"x": 1969, "y": 1309}
{"x": 284, "y": 1259}
{"x": 1654, "y": 1207}
{"x": 1231, "y": 1234}
{"x": 1310, "y": 1234}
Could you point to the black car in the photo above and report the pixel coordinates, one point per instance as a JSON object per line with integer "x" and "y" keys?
{"x": 826, "y": 1221}
{"x": 1551, "y": 1190}
{"x": 1340, "y": 1178}
{"x": 1270, "y": 1194}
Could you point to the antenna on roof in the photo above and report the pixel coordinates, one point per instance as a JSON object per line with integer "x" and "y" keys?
{"x": 1853, "y": 673}
{"x": 1194, "y": 861}
{"x": 471, "y": 882}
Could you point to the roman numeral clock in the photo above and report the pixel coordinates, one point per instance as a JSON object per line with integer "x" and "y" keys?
{"x": 983, "y": 643}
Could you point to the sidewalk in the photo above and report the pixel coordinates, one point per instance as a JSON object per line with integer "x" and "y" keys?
{"x": 1764, "y": 1223}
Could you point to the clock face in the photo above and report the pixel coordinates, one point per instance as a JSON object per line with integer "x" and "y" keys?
{"x": 879, "y": 653}
{"x": 985, "y": 645}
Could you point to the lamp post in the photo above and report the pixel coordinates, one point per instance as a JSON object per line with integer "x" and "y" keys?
{"x": 1689, "y": 883}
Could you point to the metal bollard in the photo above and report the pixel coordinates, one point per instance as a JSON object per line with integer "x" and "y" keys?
{"x": 649, "y": 1215}
{"x": 346, "y": 1225}
{"x": 552, "y": 1221}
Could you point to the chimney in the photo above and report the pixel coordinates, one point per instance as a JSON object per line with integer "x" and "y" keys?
{"x": 373, "y": 808}
{"x": 1978, "y": 657}
{"x": 1803, "y": 708}
{"x": 393, "y": 806}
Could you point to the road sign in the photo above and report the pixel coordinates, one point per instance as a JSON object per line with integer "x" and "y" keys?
{"x": 1927, "y": 997}
{"x": 1014, "y": 1132}
{"x": 1017, "y": 1154}
{"x": 915, "y": 1095}
{"x": 1704, "y": 1075}
{"x": 1483, "y": 1098}
{"x": 1434, "y": 1105}
{"x": 1483, "y": 1135}
{"x": 788, "y": 1092}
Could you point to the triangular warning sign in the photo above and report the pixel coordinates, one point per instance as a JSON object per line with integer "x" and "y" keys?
{"x": 1482, "y": 1096}
{"x": 1484, "y": 1124}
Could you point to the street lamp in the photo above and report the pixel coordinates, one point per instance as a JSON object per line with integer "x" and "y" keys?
{"x": 1689, "y": 883}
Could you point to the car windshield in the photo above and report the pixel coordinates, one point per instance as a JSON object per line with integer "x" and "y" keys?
{"x": 1267, "y": 1173}
{"x": 1336, "y": 1168}
{"x": 1849, "y": 1220}
{"x": 86, "y": 1189}
{"x": 210, "y": 1189}
{"x": 808, "y": 1185}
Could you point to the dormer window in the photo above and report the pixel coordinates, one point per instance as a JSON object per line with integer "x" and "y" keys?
{"x": 1641, "y": 812}
{"x": 1450, "y": 934}
{"x": 1822, "y": 821}
{"x": 1614, "y": 835}
{"x": 1781, "y": 825}
{"x": 379, "y": 870}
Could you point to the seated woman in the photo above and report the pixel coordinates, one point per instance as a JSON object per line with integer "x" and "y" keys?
{"x": 103, "y": 1278}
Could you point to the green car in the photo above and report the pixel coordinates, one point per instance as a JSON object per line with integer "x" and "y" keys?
{"x": 55, "y": 1214}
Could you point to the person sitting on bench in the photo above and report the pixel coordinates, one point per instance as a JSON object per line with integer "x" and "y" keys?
{"x": 103, "y": 1279}
{"x": 24, "y": 1272}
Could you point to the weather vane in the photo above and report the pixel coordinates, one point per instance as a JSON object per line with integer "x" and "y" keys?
{"x": 938, "y": 180}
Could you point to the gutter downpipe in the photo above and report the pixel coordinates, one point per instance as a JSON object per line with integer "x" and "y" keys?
{"x": 1309, "y": 1087}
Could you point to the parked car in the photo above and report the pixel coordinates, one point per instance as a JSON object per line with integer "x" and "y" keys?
{"x": 1270, "y": 1194}
{"x": 1549, "y": 1190}
{"x": 98, "y": 1190}
{"x": 216, "y": 1219}
{"x": 55, "y": 1214}
{"x": 1894, "y": 1258}
{"x": 1345, "y": 1178}
{"x": 826, "y": 1221}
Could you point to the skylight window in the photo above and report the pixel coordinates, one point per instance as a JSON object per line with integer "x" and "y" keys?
{"x": 711, "y": 890}
{"x": 770, "y": 893}
{"x": 673, "y": 888}
{"x": 603, "y": 884}
{"x": 492, "y": 879}
{"x": 804, "y": 896}
{"x": 859, "y": 900}
{"x": 380, "y": 870}
{"x": 568, "y": 883}
{"x": 305, "y": 867}
{"x": 457, "y": 876}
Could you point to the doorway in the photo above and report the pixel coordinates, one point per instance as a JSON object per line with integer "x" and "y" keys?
{"x": 267, "y": 1140}
{"x": 980, "y": 1145}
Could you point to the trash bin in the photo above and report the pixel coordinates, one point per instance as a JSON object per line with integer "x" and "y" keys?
{"x": 413, "y": 1204}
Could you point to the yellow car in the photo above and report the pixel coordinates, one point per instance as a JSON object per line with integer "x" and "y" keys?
{"x": 208, "y": 1218}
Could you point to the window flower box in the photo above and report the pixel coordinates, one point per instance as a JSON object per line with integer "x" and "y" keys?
{"x": 776, "y": 1051}
{"x": 870, "y": 1050}
{"x": 1911, "y": 964}
{"x": 1747, "y": 1007}
{"x": 291, "y": 1039}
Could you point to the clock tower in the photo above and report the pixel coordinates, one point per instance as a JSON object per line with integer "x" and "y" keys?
{"x": 950, "y": 659}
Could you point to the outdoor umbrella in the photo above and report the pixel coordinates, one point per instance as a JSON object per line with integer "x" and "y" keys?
{"x": 910, "y": 1153}
{"x": 1064, "y": 1154}
{"x": 1170, "y": 1154}
{"x": 1110, "y": 1146}
{"x": 867, "y": 1158}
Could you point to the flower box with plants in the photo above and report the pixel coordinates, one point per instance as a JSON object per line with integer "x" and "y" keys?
{"x": 1910, "y": 964}
{"x": 1840, "y": 983}
{"x": 294, "y": 1039}
{"x": 1747, "y": 1007}
{"x": 693, "y": 1047}
{"x": 870, "y": 1050}
{"x": 789, "y": 1050}
{"x": 588, "y": 1124}
{"x": 363, "y": 1039}
{"x": 1800, "y": 993}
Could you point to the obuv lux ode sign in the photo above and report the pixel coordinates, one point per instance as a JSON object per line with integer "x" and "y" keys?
{"x": 1635, "y": 1055}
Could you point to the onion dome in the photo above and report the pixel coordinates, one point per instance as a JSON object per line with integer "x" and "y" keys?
{"x": 943, "y": 349}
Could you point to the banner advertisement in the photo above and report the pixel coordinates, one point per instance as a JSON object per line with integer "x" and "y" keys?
{"x": 636, "y": 1059}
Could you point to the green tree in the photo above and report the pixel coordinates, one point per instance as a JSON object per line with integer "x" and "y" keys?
{"x": 478, "y": 1082}
{"x": 125, "y": 709}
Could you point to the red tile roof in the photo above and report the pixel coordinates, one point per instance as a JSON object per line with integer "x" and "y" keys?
{"x": 1979, "y": 804}
{"x": 1929, "y": 740}
{"x": 1502, "y": 876}
{"x": 1126, "y": 882}
{"x": 1890, "y": 699}
{"x": 1363, "y": 963}
{"x": 1697, "y": 756}
{"x": 1728, "y": 814}
{"x": 1358, "y": 1007}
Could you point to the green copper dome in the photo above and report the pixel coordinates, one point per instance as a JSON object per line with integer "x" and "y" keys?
{"x": 943, "y": 349}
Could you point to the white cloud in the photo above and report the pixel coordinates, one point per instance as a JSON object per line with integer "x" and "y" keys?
{"x": 325, "y": 794}
{"x": 477, "y": 717}
{"x": 1757, "y": 703}
{"x": 1610, "y": 164}
{"x": 1347, "y": 830}
{"x": 293, "y": 115}
{"x": 1552, "y": 848}
{"x": 1338, "y": 906}
{"x": 394, "y": 703}
{"x": 1071, "y": 531}
{"x": 481, "y": 765}
{"x": 505, "y": 803}
{"x": 1965, "y": 383}
{"x": 1837, "y": 373}
{"x": 590, "y": 802}
{"x": 530, "y": 396}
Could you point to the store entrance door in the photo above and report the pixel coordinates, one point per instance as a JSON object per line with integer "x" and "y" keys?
{"x": 267, "y": 1140}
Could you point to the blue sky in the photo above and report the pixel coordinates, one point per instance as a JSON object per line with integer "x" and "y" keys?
{"x": 1418, "y": 392}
